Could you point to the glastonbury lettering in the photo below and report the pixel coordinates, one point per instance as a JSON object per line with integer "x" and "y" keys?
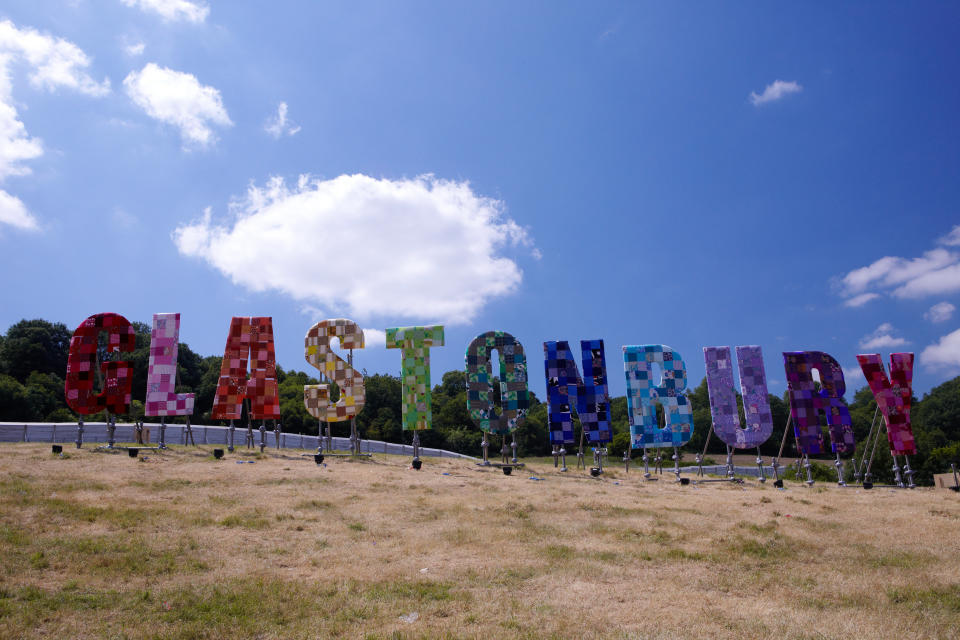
{"x": 570, "y": 388}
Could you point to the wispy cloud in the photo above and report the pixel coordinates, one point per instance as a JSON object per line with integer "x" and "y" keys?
{"x": 278, "y": 125}
{"x": 778, "y": 90}
{"x": 940, "y": 312}
{"x": 173, "y": 10}
{"x": 936, "y": 272}
{"x": 134, "y": 50}
{"x": 882, "y": 338}
{"x": 860, "y": 300}
{"x": 178, "y": 99}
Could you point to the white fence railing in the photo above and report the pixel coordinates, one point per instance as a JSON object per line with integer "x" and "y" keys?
{"x": 96, "y": 432}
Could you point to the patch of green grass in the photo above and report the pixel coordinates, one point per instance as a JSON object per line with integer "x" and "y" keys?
{"x": 558, "y": 552}
{"x": 314, "y": 504}
{"x": 900, "y": 559}
{"x": 119, "y": 517}
{"x": 13, "y": 535}
{"x": 357, "y": 526}
{"x": 246, "y": 520}
{"x": 927, "y": 600}
{"x": 38, "y": 560}
{"x": 419, "y": 590}
{"x": 519, "y": 511}
{"x": 774, "y": 547}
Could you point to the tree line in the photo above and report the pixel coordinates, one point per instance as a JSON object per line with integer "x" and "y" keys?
{"x": 33, "y": 362}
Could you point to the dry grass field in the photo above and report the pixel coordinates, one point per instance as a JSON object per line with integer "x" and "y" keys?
{"x": 180, "y": 545}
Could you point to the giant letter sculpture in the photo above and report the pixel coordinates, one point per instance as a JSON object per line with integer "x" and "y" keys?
{"x": 514, "y": 393}
{"x": 318, "y": 353}
{"x": 643, "y": 394}
{"x": 162, "y": 399}
{"x": 82, "y": 359}
{"x": 415, "y": 343}
{"x": 566, "y": 390}
{"x": 806, "y": 403}
{"x": 81, "y": 364}
{"x": 893, "y": 401}
{"x": 253, "y": 337}
{"x": 723, "y": 397}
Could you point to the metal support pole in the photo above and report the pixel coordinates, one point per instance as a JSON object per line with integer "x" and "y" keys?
{"x": 504, "y": 449}
{"x": 513, "y": 446}
{"x": 79, "y": 433}
{"x": 626, "y": 460}
{"x": 563, "y": 458}
{"x": 703, "y": 453}
{"x": 776, "y": 461}
{"x": 730, "y": 473}
{"x": 956, "y": 478}
{"x": 808, "y": 466}
{"x": 580, "y": 462}
{"x": 277, "y": 432}
{"x": 907, "y": 471}
{"x": 676, "y": 463}
{"x": 231, "y": 432}
{"x": 896, "y": 473}
{"x": 263, "y": 435}
{"x": 839, "y": 465}
{"x": 646, "y": 463}
{"x": 188, "y": 434}
{"x": 111, "y": 430}
{"x": 416, "y": 446}
{"x": 859, "y": 469}
{"x": 485, "y": 446}
{"x": 163, "y": 432}
{"x": 763, "y": 476}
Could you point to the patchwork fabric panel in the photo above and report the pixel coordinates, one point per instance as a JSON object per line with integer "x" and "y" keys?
{"x": 161, "y": 398}
{"x": 316, "y": 398}
{"x": 893, "y": 397}
{"x": 566, "y": 389}
{"x": 415, "y": 343}
{"x": 723, "y": 397}
{"x": 806, "y": 403}
{"x": 251, "y": 337}
{"x": 514, "y": 393}
{"x": 643, "y": 396}
{"x": 334, "y": 368}
{"x": 82, "y": 360}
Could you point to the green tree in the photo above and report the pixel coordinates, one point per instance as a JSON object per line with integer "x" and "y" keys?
{"x": 35, "y": 345}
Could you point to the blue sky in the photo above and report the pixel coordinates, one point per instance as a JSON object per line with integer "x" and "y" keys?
{"x": 780, "y": 174}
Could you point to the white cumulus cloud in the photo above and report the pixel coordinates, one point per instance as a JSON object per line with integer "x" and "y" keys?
{"x": 173, "y": 10}
{"x": 944, "y": 354}
{"x": 14, "y": 212}
{"x": 940, "y": 312}
{"x": 936, "y": 272}
{"x": 374, "y": 338}
{"x": 278, "y": 125}
{"x": 775, "y": 91}
{"x": 52, "y": 63}
{"x": 882, "y": 338}
{"x": 178, "y": 99}
{"x": 367, "y": 248}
